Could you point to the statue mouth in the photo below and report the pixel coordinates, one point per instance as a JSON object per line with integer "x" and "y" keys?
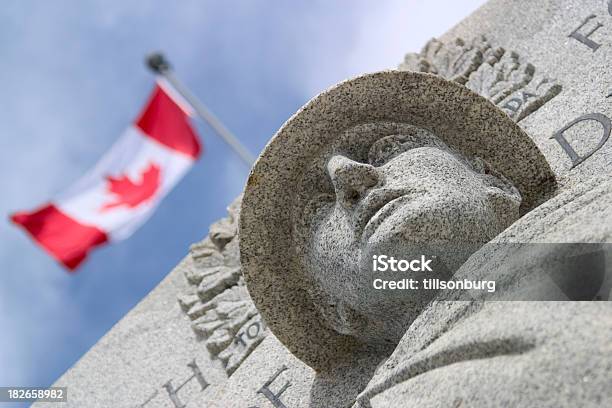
{"x": 376, "y": 207}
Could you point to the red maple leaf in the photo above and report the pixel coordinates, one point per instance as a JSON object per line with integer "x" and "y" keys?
{"x": 130, "y": 193}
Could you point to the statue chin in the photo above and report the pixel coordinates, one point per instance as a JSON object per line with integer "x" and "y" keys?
{"x": 360, "y": 309}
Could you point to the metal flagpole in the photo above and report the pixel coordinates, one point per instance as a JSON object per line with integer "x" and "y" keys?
{"x": 158, "y": 63}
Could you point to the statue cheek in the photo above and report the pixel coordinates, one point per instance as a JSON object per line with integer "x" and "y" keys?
{"x": 332, "y": 248}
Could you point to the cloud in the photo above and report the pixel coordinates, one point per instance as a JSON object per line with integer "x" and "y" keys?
{"x": 393, "y": 28}
{"x": 377, "y": 36}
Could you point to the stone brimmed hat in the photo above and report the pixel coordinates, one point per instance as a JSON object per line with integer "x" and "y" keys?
{"x": 462, "y": 119}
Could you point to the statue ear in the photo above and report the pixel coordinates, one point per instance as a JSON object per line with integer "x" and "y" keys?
{"x": 504, "y": 197}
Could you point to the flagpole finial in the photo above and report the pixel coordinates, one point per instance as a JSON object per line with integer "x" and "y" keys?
{"x": 158, "y": 63}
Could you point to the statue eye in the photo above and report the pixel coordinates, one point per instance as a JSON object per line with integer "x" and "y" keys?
{"x": 384, "y": 150}
{"x": 317, "y": 203}
{"x": 388, "y": 147}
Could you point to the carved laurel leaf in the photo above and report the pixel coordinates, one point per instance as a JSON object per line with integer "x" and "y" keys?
{"x": 218, "y": 303}
{"x": 414, "y": 62}
{"x": 494, "y": 73}
{"x": 455, "y": 61}
{"x": 249, "y": 339}
{"x": 216, "y": 280}
{"x": 501, "y": 79}
{"x": 525, "y": 101}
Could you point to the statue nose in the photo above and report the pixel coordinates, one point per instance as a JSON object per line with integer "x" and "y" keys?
{"x": 351, "y": 179}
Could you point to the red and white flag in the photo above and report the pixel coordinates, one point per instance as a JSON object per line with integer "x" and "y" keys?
{"x": 121, "y": 192}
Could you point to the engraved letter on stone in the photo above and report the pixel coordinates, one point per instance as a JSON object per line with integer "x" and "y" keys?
{"x": 275, "y": 398}
{"x": 574, "y": 157}
{"x": 153, "y": 395}
{"x": 173, "y": 392}
{"x": 584, "y": 37}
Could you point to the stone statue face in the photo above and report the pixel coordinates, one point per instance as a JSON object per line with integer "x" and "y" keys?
{"x": 363, "y": 169}
{"x": 414, "y": 196}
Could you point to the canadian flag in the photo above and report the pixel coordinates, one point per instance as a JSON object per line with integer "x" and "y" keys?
{"x": 121, "y": 192}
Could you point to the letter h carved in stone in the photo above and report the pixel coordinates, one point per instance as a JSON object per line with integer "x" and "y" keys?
{"x": 269, "y": 394}
{"x": 173, "y": 392}
{"x": 584, "y": 37}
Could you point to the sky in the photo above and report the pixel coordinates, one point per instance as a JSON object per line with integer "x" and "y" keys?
{"x": 73, "y": 79}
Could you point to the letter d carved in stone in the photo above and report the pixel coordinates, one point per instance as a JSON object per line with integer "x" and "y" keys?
{"x": 575, "y": 157}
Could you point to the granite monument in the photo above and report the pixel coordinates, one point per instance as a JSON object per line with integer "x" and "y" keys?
{"x": 494, "y": 136}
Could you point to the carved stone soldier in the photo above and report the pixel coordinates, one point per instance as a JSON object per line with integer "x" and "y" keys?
{"x": 409, "y": 163}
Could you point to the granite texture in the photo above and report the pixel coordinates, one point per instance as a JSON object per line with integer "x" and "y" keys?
{"x": 536, "y": 365}
{"x": 390, "y": 161}
{"x": 540, "y": 33}
{"x": 217, "y": 301}
{"x": 150, "y": 347}
{"x": 500, "y": 75}
{"x": 522, "y": 57}
{"x": 270, "y": 361}
{"x": 498, "y": 354}
{"x": 147, "y": 354}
